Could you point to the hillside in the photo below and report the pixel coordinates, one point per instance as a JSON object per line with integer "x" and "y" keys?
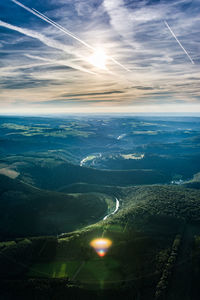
{"x": 149, "y": 200}
{"x": 155, "y": 227}
{"x": 59, "y": 177}
{"x": 194, "y": 182}
{"x": 161, "y": 200}
{"x": 26, "y": 210}
{"x": 48, "y": 172}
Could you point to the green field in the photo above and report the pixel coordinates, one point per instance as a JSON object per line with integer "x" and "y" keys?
{"x": 100, "y": 271}
{"x": 94, "y": 271}
{"x": 54, "y": 269}
{"x": 60, "y": 131}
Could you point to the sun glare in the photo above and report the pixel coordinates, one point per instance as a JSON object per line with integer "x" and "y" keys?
{"x": 98, "y": 59}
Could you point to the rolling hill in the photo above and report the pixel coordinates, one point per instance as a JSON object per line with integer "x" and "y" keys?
{"x": 153, "y": 233}
{"x": 52, "y": 173}
{"x": 26, "y": 210}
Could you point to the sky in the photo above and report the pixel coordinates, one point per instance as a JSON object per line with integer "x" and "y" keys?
{"x": 90, "y": 56}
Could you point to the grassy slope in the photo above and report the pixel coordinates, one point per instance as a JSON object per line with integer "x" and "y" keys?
{"x": 25, "y": 210}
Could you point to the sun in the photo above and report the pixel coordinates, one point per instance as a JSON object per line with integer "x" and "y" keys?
{"x": 98, "y": 59}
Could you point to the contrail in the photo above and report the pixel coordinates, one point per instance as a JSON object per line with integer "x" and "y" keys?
{"x": 43, "y": 17}
{"x": 58, "y": 26}
{"x": 48, "y": 20}
{"x": 179, "y": 42}
{"x": 72, "y": 35}
{"x": 43, "y": 39}
{"x": 60, "y": 62}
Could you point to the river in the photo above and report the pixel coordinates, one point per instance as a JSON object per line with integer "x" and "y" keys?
{"x": 114, "y": 212}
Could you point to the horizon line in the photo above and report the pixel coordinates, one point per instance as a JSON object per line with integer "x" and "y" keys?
{"x": 163, "y": 114}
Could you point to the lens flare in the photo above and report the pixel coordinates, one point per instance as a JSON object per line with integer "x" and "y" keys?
{"x": 101, "y": 246}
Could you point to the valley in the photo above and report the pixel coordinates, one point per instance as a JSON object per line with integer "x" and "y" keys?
{"x": 64, "y": 182}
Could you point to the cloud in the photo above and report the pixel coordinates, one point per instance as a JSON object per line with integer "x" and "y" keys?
{"x": 72, "y": 102}
{"x": 41, "y": 63}
{"x": 36, "y": 35}
{"x": 143, "y": 27}
{"x": 94, "y": 94}
{"x": 83, "y": 8}
{"x": 47, "y": 41}
{"x": 143, "y": 88}
{"x": 24, "y": 83}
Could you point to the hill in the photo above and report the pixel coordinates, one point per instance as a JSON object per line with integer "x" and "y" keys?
{"x": 161, "y": 200}
{"x": 26, "y": 210}
{"x": 52, "y": 173}
{"x": 155, "y": 227}
{"x": 194, "y": 182}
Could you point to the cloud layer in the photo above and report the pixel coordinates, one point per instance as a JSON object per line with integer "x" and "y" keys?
{"x": 41, "y": 66}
